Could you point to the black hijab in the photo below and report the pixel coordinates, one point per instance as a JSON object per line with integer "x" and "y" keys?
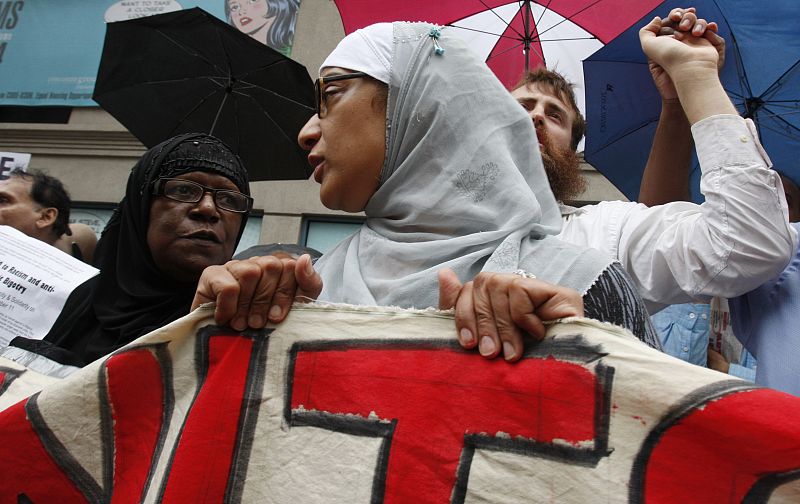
{"x": 131, "y": 297}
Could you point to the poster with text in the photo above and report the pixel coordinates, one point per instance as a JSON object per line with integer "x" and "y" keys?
{"x": 10, "y": 161}
{"x": 35, "y": 281}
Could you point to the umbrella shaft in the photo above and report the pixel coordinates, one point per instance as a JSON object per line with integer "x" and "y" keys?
{"x": 526, "y": 48}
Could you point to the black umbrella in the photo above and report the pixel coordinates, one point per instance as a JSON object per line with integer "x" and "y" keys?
{"x": 187, "y": 71}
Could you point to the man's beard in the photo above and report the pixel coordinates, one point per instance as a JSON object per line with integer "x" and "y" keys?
{"x": 563, "y": 170}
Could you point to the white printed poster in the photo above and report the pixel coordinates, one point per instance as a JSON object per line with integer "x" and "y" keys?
{"x": 35, "y": 281}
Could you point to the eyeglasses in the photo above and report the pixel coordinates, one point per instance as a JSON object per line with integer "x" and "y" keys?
{"x": 319, "y": 87}
{"x": 187, "y": 191}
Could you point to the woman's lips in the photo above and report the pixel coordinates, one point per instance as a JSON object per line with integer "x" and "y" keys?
{"x": 318, "y": 175}
{"x": 203, "y": 236}
{"x": 245, "y": 20}
{"x": 316, "y": 161}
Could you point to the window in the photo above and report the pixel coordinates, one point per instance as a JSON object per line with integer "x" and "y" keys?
{"x": 322, "y": 233}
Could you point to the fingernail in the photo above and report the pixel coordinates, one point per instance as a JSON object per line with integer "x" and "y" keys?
{"x": 508, "y": 350}
{"x": 466, "y": 336}
{"x": 257, "y": 321}
{"x": 309, "y": 266}
{"x": 486, "y": 346}
{"x": 240, "y": 324}
{"x": 275, "y": 312}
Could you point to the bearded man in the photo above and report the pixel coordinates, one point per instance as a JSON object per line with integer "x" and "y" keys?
{"x": 676, "y": 252}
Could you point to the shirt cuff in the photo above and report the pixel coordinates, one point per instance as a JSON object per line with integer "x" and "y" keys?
{"x": 742, "y": 372}
{"x": 727, "y": 139}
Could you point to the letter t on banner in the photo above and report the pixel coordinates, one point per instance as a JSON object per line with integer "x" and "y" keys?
{"x": 436, "y": 404}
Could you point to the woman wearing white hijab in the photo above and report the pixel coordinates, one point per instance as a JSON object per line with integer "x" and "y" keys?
{"x": 446, "y": 168}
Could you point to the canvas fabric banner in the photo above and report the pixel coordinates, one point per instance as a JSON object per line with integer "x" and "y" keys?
{"x": 346, "y": 404}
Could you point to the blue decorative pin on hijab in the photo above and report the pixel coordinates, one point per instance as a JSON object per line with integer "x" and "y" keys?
{"x": 434, "y": 34}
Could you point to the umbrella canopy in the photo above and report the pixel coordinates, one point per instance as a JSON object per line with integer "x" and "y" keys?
{"x": 513, "y": 36}
{"x": 761, "y": 76}
{"x": 188, "y": 71}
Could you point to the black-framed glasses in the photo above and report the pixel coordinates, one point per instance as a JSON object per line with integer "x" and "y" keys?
{"x": 319, "y": 87}
{"x": 187, "y": 191}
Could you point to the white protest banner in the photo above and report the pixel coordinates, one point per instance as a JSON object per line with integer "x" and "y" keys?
{"x": 341, "y": 404}
{"x": 35, "y": 281}
{"x": 9, "y": 161}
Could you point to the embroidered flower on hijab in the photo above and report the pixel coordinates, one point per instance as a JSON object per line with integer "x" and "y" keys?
{"x": 476, "y": 184}
{"x": 505, "y": 258}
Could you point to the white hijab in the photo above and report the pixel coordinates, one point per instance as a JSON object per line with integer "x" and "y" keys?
{"x": 462, "y": 186}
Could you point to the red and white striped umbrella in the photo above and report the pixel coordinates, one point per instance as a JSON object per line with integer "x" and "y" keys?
{"x": 514, "y": 36}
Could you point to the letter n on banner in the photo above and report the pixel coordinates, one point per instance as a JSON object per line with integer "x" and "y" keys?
{"x": 35, "y": 464}
{"x": 434, "y": 404}
{"x": 209, "y": 460}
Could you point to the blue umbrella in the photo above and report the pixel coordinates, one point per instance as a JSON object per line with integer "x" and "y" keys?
{"x": 761, "y": 76}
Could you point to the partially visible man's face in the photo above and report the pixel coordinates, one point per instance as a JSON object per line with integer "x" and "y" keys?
{"x": 548, "y": 112}
{"x": 17, "y": 208}
{"x": 553, "y": 120}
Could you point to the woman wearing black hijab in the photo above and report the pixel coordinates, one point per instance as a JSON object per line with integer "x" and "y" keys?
{"x": 185, "y": 208}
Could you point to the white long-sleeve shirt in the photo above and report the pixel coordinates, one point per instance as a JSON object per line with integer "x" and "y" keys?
{"x": 736, "y": 240}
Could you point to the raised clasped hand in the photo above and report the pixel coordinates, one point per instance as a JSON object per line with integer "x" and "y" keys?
{"x": 681, "y": 38}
